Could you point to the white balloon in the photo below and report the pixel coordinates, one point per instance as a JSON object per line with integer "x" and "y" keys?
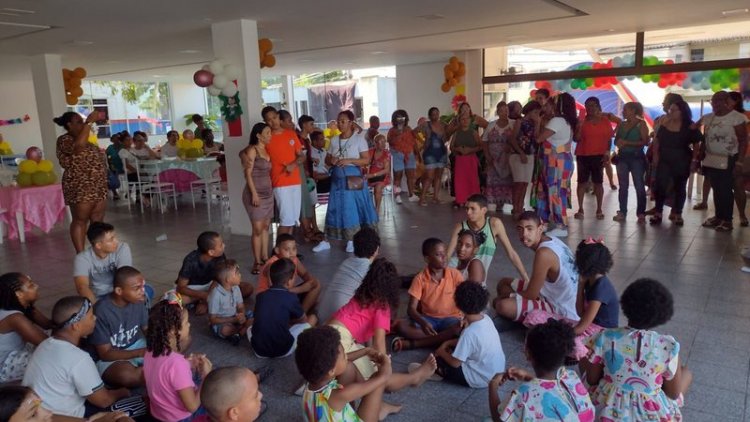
{"x": 214, "y": 91}
{"x": 216, "y": 67}
{"x": 229, "y": 90}
{"x": 206, "y": 67}
{"x": 220, "y": 81}
{"x": 232, "y": 72}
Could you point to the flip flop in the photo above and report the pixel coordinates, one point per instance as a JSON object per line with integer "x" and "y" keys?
{"x": 600, "y": 216}
{"x": 400, "y": 341}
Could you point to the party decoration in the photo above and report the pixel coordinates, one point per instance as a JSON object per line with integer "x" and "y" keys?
{"x": 265, "y": 57}
{"x": 220, "y": 80}
{"x": 72, "y": 83}
{"x": 454, "y": 73}
{"x": 16, "y": 121}
{"x": 45, "y": 166}
{"x": 230, "y": 106}
{"x": 203, "y": 78}
{"x": 28, "y": 167}
{"x": 5, "y": 148}
{"x": 24, "y": 180}
{"x": 34, "y": 154}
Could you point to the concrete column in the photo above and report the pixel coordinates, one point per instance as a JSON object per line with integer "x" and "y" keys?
{"x": 236, "y": 42}
{"x": 473, "y": 78}
{"x": 49, "y": 90}
{"x": 287, "y": 91}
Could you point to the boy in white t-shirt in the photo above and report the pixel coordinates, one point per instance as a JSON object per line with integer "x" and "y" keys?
{"x": 318, "y": 156}
{"x": 475, "y": 357}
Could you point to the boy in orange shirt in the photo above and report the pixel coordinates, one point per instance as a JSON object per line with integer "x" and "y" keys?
{"x": 434, "y": 316}
{"x": 308, "y": 290}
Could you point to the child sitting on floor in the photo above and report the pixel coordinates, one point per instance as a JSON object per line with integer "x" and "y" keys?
{"x": 635, "y": 372}
{"x": 434, "y": 316}
{"x": 279, "y": 317}
{"x": 286, "y": 247}
{"x": 226, "y": 310}
{"x": 320, "y": 360}
{"x": 470, "y": 266}
{"x": 553, "y": 392}
{"x": 121, "y": 319}
{"x": 231, "y": 394}
{"x": 475, "y": 357}
{"x": 597, "y": 303}
{"x": 168, "y": 373}
{"x": 21, "y": 324}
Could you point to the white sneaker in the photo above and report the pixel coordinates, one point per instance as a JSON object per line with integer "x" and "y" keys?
{"x": 349, "y": 246}
{"x": 413, "y": 198}
{"x": 322, "y": 246}
{"x": 558, "y": 232}
{"x": 745, "y": 269}
{"x": 398, "y": 199}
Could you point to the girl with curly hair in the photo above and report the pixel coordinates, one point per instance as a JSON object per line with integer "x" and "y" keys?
{"x": 634, "y": 371}
{"x": 470, "y": 266}
{"x": 596, "y": 303}
{"x": 21, "y": 324}
{"x": 168, "y": 373}
{"x": 367, "y": 317}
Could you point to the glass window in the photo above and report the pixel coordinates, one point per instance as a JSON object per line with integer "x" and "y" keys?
{"x": 697, "y": 43}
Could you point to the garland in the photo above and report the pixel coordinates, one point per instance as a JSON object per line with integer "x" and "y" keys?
{"x": 15, "y": 121}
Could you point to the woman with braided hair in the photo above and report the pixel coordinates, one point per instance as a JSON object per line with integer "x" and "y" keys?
{"x": 168, "y": 373}
{"x": 21, "y": 324}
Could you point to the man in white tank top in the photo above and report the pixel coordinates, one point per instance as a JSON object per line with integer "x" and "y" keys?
{"x": 553, "y": 286}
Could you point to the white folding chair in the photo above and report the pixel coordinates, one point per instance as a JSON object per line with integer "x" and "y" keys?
{"x": 151, "y": 185}
{"x": 208, "y": 186}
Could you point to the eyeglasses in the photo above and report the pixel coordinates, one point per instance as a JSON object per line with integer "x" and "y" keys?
{"x": 79, "y": 315}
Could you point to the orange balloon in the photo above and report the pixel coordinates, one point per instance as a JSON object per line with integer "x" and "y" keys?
{"x": 461, "y": 69}
{"x": 454, "y": 82}
{"x": 445, "y": 87}
{"x": 269, "y": 60}
{"x": 71, "y": 100}
{"x": 76, "y": 91}
{"x": 79, "y": 72}
{"x": 74, "y": 82}
{"x": 447, "y": 72}
{"x": 67, "y": 73}
{"x": 265, "y": 45}
{"x": 453, "y": 59}
{"x": 454, "y": 67}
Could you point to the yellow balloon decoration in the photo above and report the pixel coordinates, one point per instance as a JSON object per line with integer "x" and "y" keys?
{"x": 24, "y": 180}
{"x": 28, "y": 167}
{"x": 45, "y": 166}
{"x": 460, "y": 89}
{"x": 196, "y": 144}
{"x": 5, "y": 148}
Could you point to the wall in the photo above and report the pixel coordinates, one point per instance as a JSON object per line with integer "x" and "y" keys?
{"x": 187, "y": 98}
{"x": 19, "y": 100}
{"x": 418, "y": 89}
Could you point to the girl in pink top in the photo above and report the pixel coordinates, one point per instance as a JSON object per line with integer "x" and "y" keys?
{"x": 367, "y": 317}
{"x": 169, "y": 374}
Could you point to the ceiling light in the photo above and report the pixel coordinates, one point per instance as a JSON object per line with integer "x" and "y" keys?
{"x": 190, "y": 51}
{"x": 377, "y": 52}
{"x": 305, "y": 60}
{"x": 275, "y": 40}
{"x": 9, "y": 14}
{"x": 158, "y": 76}
{"x": 19, "y": 11}
{"x": 81, "y": 42}
{"x": 431, "y": 17}
{"x": 349, "y": 63}
{"x": 734, "y": 12}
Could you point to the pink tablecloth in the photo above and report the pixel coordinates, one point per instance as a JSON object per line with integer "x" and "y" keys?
{"x": 42, "y": 207}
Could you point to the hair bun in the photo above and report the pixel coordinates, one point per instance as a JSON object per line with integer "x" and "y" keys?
{"x": 58, "y": 121}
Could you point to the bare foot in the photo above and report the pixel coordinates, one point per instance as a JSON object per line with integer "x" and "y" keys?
{"x": 425, "y": 370}
{"x": 387, "y": 409}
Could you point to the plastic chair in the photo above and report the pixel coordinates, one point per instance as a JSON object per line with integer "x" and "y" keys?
{"x": 148, "y": 181}
{"x": 210, "y": 186}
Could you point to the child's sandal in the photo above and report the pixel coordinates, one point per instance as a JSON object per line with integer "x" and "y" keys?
{"x": 399, "y": 344}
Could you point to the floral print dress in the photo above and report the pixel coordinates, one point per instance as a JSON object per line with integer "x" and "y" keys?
{"x": 563, "y": 399}
{"x": 636, "y": 362}
{"x": 316, "y": 408}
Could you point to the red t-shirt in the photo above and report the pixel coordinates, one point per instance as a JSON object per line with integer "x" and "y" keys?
{"x": 595, "y": 137}
{"x": 404, "y": 142}
{"x": 282, "y": 150}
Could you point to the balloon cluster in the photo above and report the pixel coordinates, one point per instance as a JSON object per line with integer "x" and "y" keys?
{"x": 454, "y": 71}
{"x": 35, "y": 171}
{"x": 72, "y": 82}
{"x": 218, "y": 78}
{"x": 187, "y": 148}
{"x": 715, "y": 80}
{"x": 5, "y": 148}
{"x": 264, "y": 53}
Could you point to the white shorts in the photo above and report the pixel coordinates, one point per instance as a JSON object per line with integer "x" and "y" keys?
{"x": 289, "y": 201}
{"x": 295, "y": 330}
{"x": 521, "y": 172}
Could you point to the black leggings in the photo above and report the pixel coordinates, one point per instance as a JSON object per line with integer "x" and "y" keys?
{"x": 451, "y": 374}
{"x": 675, "y": 174}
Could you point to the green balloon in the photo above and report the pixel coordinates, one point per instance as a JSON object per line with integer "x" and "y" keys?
{"x": 52, "y": 177}
{"x": 716, "y": 87}
{"x": 589, "y": 82}
{"x": 24, "y": 180}
{"x": 39, "y": 178}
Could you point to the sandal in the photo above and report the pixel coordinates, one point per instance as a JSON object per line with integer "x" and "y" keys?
{"x": 724, "y": 226}
{"x": 578, "y": 215}
{"x": 711, "y": 222}
{"x": 651, "y": 211}
{"x": 399, "y": 344}
{"x": 256, "y": 268}
{"x": 743, "y": 222}
{"x": 700, "y": 206}
{"x": 599, "y": 215}
{"x": 678, "y": 221}
{"x": 641, "y": 218}
{"x": 619, "y": 216}
{"x": 655, "y": 220}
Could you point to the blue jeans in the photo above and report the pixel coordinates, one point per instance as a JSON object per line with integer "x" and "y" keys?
{"x": 634, "y": 165}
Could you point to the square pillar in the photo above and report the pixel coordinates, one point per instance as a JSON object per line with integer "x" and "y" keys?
{"x": 49, "y": 90}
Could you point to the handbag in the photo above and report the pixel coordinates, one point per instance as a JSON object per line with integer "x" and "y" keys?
{"x": 716, "y": 161}
{"x": 355, "y": 182}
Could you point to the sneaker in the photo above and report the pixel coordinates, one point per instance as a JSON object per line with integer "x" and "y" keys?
{"x": 413, "y": 198}
{"x": 398, "y": 199}
{"x": 561, "y": 231}
{"x": 322, "y": 246}
{"x": 745, "y": 269}
{"x": 349, "y": 247}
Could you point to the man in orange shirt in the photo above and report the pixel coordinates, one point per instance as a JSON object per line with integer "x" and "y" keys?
{"x": 285, "y": 150}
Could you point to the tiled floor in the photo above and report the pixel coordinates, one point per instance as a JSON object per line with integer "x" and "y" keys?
{"x": 711, "y": 321}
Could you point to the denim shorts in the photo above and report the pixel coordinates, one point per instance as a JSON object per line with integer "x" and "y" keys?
{"x": 440, "y": 324}
{"x": 399, "y": 164}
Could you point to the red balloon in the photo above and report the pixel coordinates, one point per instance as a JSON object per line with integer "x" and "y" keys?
{"x": 34, "y": 154}
{"x": 539, "y": 84}
{"x": 663, "y": 83}
{"x": 203, "y": 78}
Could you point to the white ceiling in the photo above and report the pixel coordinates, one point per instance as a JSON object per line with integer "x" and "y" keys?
{"x": 142, "y": 38}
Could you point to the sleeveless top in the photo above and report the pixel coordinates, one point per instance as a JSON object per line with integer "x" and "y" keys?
{"x": 316, "y": 408}
{"x": 633, "y": 134}
{"x": 10, "y": 341}
{"x": 562, "y": 293}
{"x": 465, "y": 138}
{"x": 465, "y": 271}
{"x": 487, "y": 249}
